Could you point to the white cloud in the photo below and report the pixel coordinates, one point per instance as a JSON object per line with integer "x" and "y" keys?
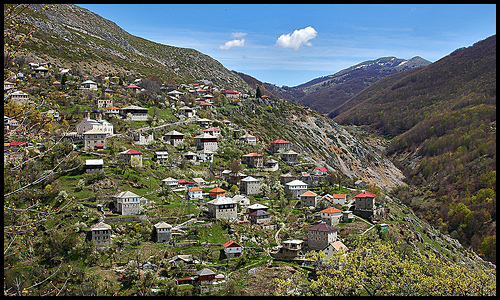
{"x": 238, "y": 34}
{"x": 297, "y": 38}
{"x": 233, "y": 43}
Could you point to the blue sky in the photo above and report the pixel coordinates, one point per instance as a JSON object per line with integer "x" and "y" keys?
{"x": 292, "y": 44}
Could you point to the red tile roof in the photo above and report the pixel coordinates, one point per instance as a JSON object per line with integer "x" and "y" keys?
{"x": 339, "y": 196}
{"x": 331, "y": 210}
{"x": 217, "y": 190}
{"x": 231, "y": 243}
{"x": 132, "y": 151}
{"x": 280, "y": 141}
{"x": 309, "y": 194}
{"x": 194, "y": 189}
{"x": 322, "y": 169}
{"x": 365, "y": 194}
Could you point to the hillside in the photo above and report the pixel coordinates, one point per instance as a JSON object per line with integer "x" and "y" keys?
{"x": 73, "y": 37}
{"x": 442, "y": 119}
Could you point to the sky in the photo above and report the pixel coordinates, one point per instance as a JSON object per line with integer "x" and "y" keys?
{"x": 290, "y": 44}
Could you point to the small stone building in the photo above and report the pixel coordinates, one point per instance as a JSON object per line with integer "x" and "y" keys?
{"x": 319, "y": 236}
{"x": 222, "y": 208}
{"x": 101, "y": 234}
{"x": 162, "y": 232}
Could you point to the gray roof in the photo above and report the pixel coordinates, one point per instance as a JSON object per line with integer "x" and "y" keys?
{"x": 205, "y": 272}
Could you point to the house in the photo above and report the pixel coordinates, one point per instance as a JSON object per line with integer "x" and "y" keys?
{"x": 205, "y": 277}
{"x": 248, "y": 139}
{"x": 331, "y": 216}
{"x": 339, "y": 198}
{"x": 347, "y": 216}
{"x": 132, "y": 87}
{"x": 288, "y": 249}
{"x": 205, "y": 142}
{"x": 134, "y": 113}
{"x": 88, "y": 85}
{"x": 232, "y": 249}
{"x": 206, "y": 105}
{"x": 127, "y": 203}
{"x": 279, "y": 146}
{"x": 198, "y": 181}
{"x": 253, "y": 160}
{"x": 319, "y": 236}
{"x": 321, "y": 171}
{"x": 184, "y": 182}
{"x": 365, "y": 201}
{"x": 259, "y": 217}
{"x": 93, "y": 165}
{"x": 42, "y": 71}
{"x": 190, "y": 156}
{"x": 206, "y": 156}
{"x": 216, "y": 192}
{"x": 384, "y": 227}
{"x": 230, "y": 94}
{"x": 242, "y": 200}
{"x": 20, "y": 98}
{"x": 161, "y": 158}
{"x": 203, "y": 122}
{"x": 255, "y": 207}
{"x": 186, "y": 111}
{"x": 360, "y": 184}
{"x": 212, "y": 131}
{"x": 87, "y": 123}
{"x": 250, "y": 186}
{"x": 334, "y": 247}
{"x": 101, "y": 234}
{"x": 222, "y": 208}
{"x": 162, "y": 232}
{"x": 193, "y": 193}
{"x": 289, "y": 155}
{"x": 308, "y": 199}
{"x": 132, "y": 155}
{"x": 295, "y": 188}
{"x": 169, "y": 182}
{"x": 7, "y": 85}
{"x": 286, "y": 178}
{"x": 173, "y": 137}
{"x": 94, "y": 139}
{"x": 112, "y": 111}
{"x": 104, "y": 103}
{"x": 141, "y": 138}
{"x": 271, "y": 165}
{"x": 226, "y": 122}
{"x": 183, "y": 260}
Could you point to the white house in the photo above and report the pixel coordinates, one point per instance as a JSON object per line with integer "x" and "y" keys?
{"x": 162, "y": 232}
{"x": 222, "y": 208}
{"x": 295, "y": 188}
{"x": 194, "y": 193}
{"x": 87, "y": 124}
{"x": 88, "y": 85}
{"x": 127, "y": 203}
{"x": 232, "y": 249}
{"x": 171, "y": 182}
{"x": 331, "y": 216}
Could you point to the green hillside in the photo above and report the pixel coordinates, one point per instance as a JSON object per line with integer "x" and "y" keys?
{"x": 442, "y": 121}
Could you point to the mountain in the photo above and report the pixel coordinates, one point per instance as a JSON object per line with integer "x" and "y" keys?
{"x": 442, "y": 122}
{"x": 328, "y": 92}
{"x": 77, "y": 38}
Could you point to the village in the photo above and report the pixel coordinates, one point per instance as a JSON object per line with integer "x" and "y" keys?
{"x": 189, "y": 178}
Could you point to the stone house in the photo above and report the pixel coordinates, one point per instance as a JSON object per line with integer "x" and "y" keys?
{"x": 319, "y": 236}
{"x": 222, "y": 208}
{"x": 288, "y": 249}
{"x": 205, "y": 277}
{"x": 308, "y": 199}
{"x": 162, "y": 232}
{"x": 101, "y": 234}
{"x": 183, "y": 260}
{"x": 112, "y": 111}
{"x": 87, "y": 123}
{"x": 259, "y": 217}
{"x": 205, "y": 156}
{"x": 173, "y": 137}
{"x": 20, "y": 98}
{"x": 253, "y": 160}
{"x": 136, "y": 113}
{"x": 295, "y": 188}
{"x": 250, "y": 186}
{"x": 212, "y": 131}
{"x": 186, "y": 111}
{"x": 279, "y": 146}
{"x": 127, "y": 203}
{"x": 161, "y": 158}
{"x": 104, "y": 103}
{"x": 130, "y": 154}
{"x": 94, "y": 139}
{"x": 205, "y": 142}
{"x": 365, "y": 201}
{"x": 331, "y": 216}
{"x": 339, "y": 198}
{"x": 248, "y": 138}
{"x": 290, "y": 155}
{"x": 42, "y": 71}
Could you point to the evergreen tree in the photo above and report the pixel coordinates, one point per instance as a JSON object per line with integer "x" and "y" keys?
{"x": 258, "y": 94}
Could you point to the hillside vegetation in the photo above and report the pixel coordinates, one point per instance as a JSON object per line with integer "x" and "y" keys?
{"x": 442, "y": 119}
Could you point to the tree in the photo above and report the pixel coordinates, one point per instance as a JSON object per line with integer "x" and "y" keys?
{"x": 258, "y": 93}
